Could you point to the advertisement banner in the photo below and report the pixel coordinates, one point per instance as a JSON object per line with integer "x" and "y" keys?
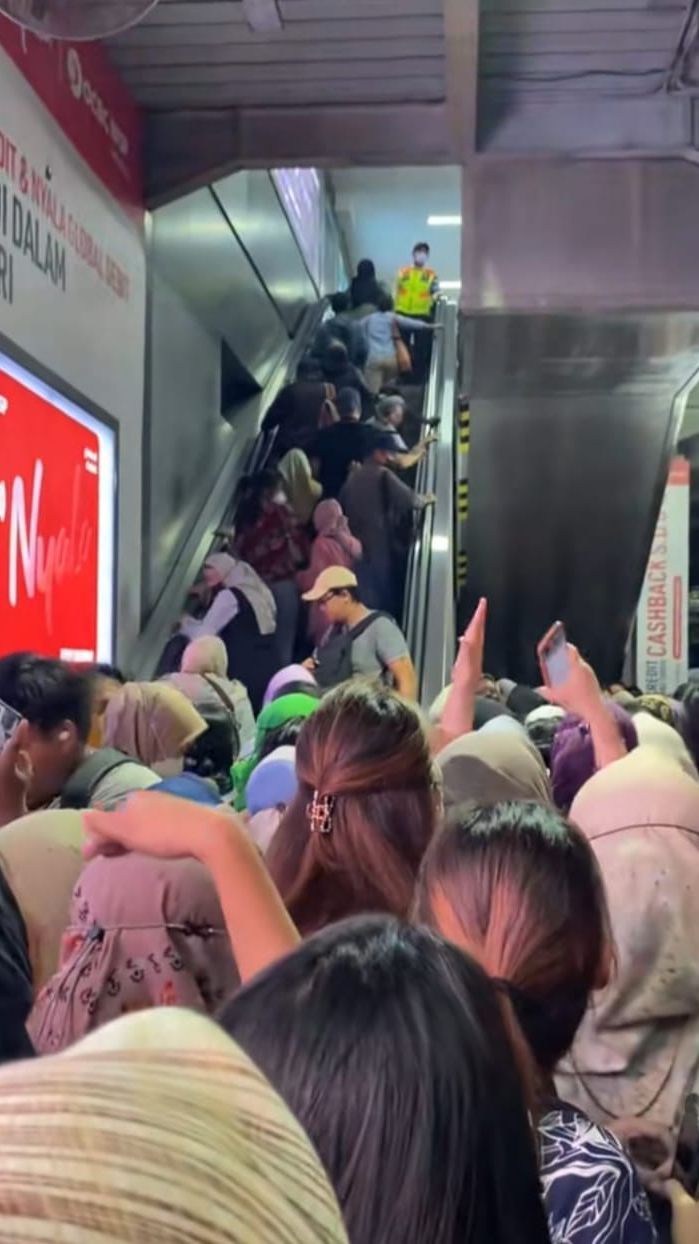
{"x": 88, "y": 100}
{"x": 56, "y": 522}
{"x": 662, "y": 634}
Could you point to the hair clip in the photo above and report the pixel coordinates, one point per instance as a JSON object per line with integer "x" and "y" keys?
{"x": 320, "y": 813}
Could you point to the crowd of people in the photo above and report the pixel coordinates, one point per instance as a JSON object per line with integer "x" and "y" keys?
{"x": 284, "y": 958}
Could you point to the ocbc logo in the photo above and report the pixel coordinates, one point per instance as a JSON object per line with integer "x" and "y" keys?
{"x": 81, "y": 88}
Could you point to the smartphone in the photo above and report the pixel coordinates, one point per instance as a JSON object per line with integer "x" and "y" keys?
{"x": 9, "y": 721}
{"x": 553, "y": 655}
{"x": 686, "y": 1167}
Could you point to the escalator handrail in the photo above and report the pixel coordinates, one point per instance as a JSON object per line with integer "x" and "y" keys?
{"x": 429, "y": 617}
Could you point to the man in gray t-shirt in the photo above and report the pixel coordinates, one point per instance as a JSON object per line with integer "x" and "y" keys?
{"x": 380, "y": 651}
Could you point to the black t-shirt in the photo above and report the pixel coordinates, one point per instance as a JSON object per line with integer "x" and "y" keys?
{"x": 336, "y": 448}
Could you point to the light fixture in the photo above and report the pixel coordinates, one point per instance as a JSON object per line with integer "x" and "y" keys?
{"x": 440, "y": 544}
{"x": 75, "y": 21}
{"x": 449, "y": 285}
{"x": 262, "y": 16}
{"x": 443, "y": 220}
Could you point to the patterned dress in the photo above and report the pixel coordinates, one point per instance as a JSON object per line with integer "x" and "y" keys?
{"x": 592, "y": 1192}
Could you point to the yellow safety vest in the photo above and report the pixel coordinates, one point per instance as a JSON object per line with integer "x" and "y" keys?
{"x": 414, "y": 291}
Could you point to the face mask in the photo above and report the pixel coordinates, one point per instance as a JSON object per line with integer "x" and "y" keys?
{"x": 419, "y": 259}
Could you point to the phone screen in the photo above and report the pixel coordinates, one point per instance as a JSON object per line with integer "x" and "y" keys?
{"x": 554, "y": 656}
{"x": 686, "y": 1168}
{"x": 9, "y": 721}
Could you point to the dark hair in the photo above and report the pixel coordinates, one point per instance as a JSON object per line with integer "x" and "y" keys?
{"x": 335, "y": 357}
{"x": 46, "y": 692}
{"x": 308, "y": 368}
{"x": 104, "y": 670}
{"x": 366, "y": 269}
{"x": 385, "y": 301}
{"x": 366, "y": 750}
{"x": 527, "y": 898}
{"x": 249, "y": 496}
{"x": 340, "y": 302}
{"x": 421, "y": 246}
{"x": 690, "y": 703}
{"x": 387, "y": 1044}
{"x": 348, "y": 402}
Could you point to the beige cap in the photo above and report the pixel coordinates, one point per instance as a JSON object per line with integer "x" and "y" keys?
{"x": 331, "y": 580}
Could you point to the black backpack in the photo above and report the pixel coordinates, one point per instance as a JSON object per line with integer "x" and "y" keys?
{"x": 334, "y": 657}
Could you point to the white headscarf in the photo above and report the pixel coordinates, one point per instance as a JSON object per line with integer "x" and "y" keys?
{"x": 237, "y": 574}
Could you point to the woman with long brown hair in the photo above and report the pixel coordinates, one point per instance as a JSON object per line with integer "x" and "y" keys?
{"x": 518, "y": 888}
{"x": 366, "y": 809}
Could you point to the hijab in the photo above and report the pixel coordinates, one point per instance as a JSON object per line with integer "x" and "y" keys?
{"x": 152, "y": 722}
{"x": 16, "y": 991}
{"x": 573, "y": 753}
{"x": 302, "y": 490}
{"x": 276, "y": 714}
{"x": 142, "y": 932}
{"x": 206, "y": 655}
{"x": 284, "y": 678}
{"x": 158, "y": 1128}
{"x": 637, "y": 1050}
{"x": 666, "y": 738}
{"x": 41, "y": 859}
{"x": 233, "y": 573}
{"x": 488, "y": 767}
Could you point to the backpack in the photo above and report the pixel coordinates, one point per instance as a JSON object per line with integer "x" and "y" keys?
{"x": 334, "y": 657}
{"x": 82, "y": 784}
{"x": 328, "y": 414}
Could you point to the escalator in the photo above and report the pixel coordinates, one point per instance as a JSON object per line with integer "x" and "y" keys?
{"x": 573, "y": 420}
{"x": 429, "y": 619}
{"x": 247, "y": 452}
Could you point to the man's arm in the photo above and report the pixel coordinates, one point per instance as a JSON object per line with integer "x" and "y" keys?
{"x": 405, "y": 677}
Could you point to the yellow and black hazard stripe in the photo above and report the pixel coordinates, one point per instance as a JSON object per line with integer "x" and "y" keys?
{"x": 461, "y": 569}
{"x": 464, "y": 429}
{"x": 462, "y": 498}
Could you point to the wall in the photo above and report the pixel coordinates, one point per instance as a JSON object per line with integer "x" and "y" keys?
{"x": 72, "y": 267}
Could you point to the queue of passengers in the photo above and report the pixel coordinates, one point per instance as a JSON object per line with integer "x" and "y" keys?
{"x": 452, "y": 956}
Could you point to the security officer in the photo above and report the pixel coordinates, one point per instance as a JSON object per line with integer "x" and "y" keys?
{"x": 417, "y": 287}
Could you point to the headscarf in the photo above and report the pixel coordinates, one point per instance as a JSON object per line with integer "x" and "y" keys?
{"x": 302, "y": 490}
{"x": 143, "y": 932}
{"x": 151, "y": 721}
{"x": 16, "y": 992}
{"x": 206, "y": 655}
{"x": 41, "y": 857}
{"x": 659, "y": 706}
{"x": 637, "y": 1050}
{"x": 573, "y": 753}
{"x": 284, "y": 678}
{"x": 274, "y": 715}
{"x": 140, "y": 1134}
{"x": 237, "y": 574}
{"x": 488, "y": 767}
{"x": 667, "y": 739}
{"x": 273, "y": 782}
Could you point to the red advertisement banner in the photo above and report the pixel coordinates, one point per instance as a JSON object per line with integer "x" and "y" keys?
{"x": 49, "y": 526}
{"x": 89, "y": 102}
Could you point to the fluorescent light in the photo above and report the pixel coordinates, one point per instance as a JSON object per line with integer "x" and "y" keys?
{"x": 443, "y": 220}
{"x": 449, "y": 285}
{"x": 440, "y": 544}
{"x": 262, "y": 16}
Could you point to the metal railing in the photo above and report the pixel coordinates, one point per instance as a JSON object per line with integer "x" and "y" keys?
{"x": 430, "y": 612}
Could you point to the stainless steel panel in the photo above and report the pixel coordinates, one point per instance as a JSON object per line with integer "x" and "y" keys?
{"x": 197, "y": 252}
{"x": 572, "y": 423}
{"x": 252, "y": 206}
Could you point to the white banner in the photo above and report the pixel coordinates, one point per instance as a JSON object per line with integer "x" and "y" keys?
{"x": 662, "y": 636}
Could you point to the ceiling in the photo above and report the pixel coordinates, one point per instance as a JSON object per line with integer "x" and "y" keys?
{"x": 388, "y": 82}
